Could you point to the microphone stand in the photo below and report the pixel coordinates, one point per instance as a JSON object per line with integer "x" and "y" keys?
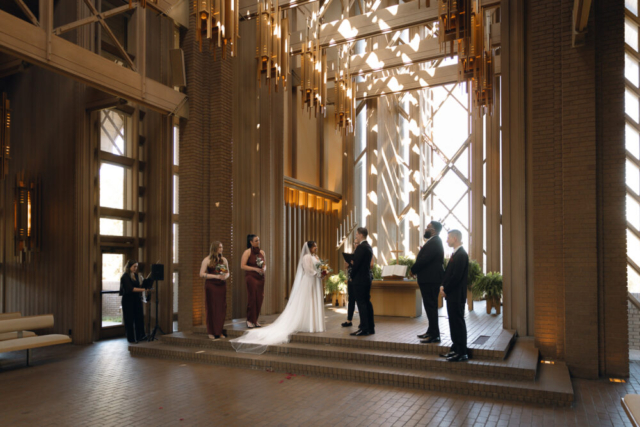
{"x": 157, "y": 328}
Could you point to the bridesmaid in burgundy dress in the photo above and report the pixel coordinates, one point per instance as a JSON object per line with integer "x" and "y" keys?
{"x": 254, "y": 264}
{"x": 215, "y": 269}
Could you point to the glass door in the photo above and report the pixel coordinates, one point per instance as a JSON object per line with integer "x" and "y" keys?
{"x": 110, "y": 313}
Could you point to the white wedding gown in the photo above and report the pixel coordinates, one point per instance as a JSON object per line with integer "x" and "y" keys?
{"x": 304, "y": 311}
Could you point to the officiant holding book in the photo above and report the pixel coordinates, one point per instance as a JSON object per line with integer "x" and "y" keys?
{"x": 430, "y": 272}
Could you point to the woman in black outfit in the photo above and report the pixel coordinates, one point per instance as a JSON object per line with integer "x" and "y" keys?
{"x": 131, "y": 287}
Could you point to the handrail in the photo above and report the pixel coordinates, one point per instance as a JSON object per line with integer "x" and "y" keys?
{"x": 633, "y": 300}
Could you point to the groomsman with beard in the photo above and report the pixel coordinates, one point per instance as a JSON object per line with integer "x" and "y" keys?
{"x": 361, "y": 282}
{"x": 429, "y": 269}
{"x": 454, "y": 289}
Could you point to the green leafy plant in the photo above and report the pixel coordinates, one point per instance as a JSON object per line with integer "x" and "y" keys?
{"x": 404, "y": 260}
{"x": 336, "y": 283}
{"x": 490, "y": 285}
{"x": 377, "y": 272}
{"x": 475, "y": 274}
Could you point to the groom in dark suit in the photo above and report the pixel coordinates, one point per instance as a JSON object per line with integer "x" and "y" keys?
{"x": 429, "y": 269}
{"x": 361, "y": 282}
{"x": 454, "y": 289}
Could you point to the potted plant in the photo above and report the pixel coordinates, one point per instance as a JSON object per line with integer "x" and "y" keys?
{"x": 404, "y": 260}
{"x": 377, "y": 272}
{"x": 491, "y": 287}
{"x": 336, "y": 285}
{"x": 475, "y": 273}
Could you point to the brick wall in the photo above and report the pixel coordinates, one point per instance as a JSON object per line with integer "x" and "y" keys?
{"x": 206, "y": 185}
{"x": 578, "y": 187}
{"x": 634, "y": 325}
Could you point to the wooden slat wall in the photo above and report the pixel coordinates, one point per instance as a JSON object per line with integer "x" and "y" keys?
{"x": 308, "y": 217}
{"x": 43, "y": 144}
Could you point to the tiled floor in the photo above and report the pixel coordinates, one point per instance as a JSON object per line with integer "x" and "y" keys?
{"x": 102, "y": 384}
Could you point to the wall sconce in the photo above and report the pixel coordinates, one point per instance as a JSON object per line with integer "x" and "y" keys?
{"x": 27, "y": 218}
{"x": 5, "y": 140}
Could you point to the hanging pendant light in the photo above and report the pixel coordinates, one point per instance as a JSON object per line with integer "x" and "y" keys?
{"x": 5, "y": 135}
{"x": 218, "y": 21}
{"x": 27, "y": 217}
{"x": 314, "y": 71}
{"x": 345, "y": 87}
{"x": 272, "y": 43}
{"x": 462, "y": 23}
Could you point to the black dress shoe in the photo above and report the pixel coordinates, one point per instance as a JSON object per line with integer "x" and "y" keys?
{"x": 372, "y": 332}
{"x": 423, "y": 336}
{"x": 347, "y": 324}
{"x": 360, "y": 334}
{"x": 451, "y": 353}
{"x": 458, "y": 358}
{"x": 430, "y": 340}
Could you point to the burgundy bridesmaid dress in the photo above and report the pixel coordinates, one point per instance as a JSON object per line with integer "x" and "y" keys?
{"x": 255, "y": 287}
{"x": 216, "y": 302}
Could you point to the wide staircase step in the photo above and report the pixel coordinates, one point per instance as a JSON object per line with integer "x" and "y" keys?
{"x": 498, "y": 349}
{"x": 519, "y": 377}
{"x": 522, "y": 363}
{"x": 552, "y": 385}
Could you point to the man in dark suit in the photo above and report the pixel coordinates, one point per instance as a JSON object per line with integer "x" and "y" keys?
{"x": 361, "y": 282}
{"x": 429, "y": 269}
{"x": 454, "y": 289}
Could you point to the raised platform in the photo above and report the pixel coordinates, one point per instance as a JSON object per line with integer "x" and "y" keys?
{"x": 501, "y": 366}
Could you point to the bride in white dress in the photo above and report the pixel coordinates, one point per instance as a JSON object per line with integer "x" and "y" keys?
{"x": 304, "y": 311}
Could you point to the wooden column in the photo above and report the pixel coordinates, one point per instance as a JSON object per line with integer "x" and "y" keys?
{"x": 514, "y": 218}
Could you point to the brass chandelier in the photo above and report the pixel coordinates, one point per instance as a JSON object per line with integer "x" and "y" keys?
{"x": 463, "y": 22}
{"x": 345, "y": 89}
{"x": 218, "y": 20}
{"x": 314, "y": 72}
{"x": 272, "y": 43}
{"x": 5, "y": 135}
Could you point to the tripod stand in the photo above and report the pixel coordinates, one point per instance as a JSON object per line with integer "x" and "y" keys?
{"x": 152, "y": 335}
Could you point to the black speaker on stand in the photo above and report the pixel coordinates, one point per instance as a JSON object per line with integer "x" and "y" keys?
{"x": 157, "y": 274}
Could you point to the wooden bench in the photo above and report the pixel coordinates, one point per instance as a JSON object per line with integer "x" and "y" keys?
{"x": 13, "y": 335}
{"x": 631, "y": 405}
{"x": 20, "y": 325}
{"x": 13, "y": 315}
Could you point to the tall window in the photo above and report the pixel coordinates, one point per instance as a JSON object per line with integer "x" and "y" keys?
{"x": 175, "y": 218}
{"x": 445, "y": 166}
{"x": 116, "y": 174}
{"x": 121, "y": 186}
{"x": 360, "y": 163}
{"x": 632, "y": 141}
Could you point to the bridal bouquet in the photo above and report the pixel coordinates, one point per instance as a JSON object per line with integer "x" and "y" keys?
{"x": 323, "y": 268}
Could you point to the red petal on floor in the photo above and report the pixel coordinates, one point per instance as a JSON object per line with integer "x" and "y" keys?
{"x": 281, "y": 381}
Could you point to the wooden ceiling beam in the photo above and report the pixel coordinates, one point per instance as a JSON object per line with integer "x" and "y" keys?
{"x": 406, "y": 54}
{"x": 407, "y": 82}
{"x": 28, "y": 42}
{"x": 581, "y": 10}
{"x": 376, "y": 23}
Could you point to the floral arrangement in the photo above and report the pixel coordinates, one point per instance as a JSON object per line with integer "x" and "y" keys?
{"x": 259, "y": 262}
{"x": 323, "y": 268}
{"x": 221, "y": 269}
